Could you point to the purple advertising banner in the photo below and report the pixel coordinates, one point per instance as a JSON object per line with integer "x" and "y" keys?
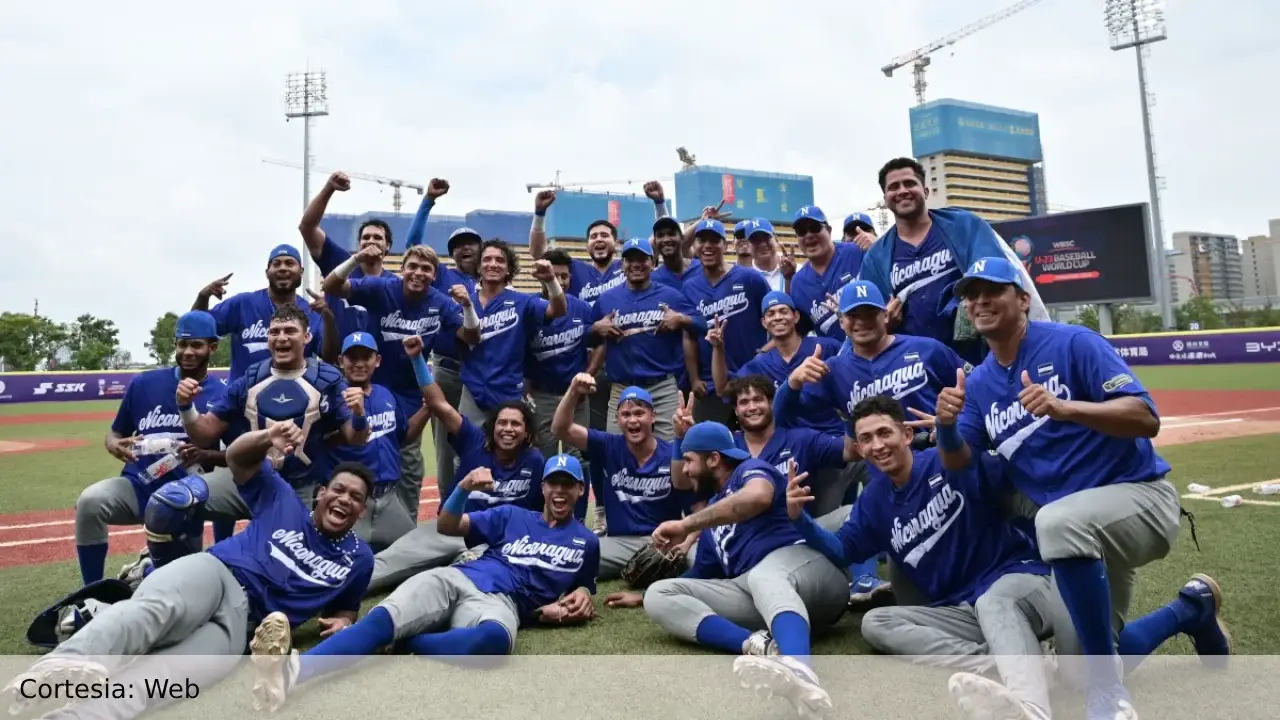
{"x": 1202, "y": 348}
{"x": 55, "y": 386}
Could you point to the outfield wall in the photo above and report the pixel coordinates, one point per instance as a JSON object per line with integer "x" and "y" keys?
{"x": 1213, "y": 347}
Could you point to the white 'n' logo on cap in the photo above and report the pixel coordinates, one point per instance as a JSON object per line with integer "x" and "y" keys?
{"x": 980, "y": 266}
{"x": 862, "y": 290}
{"x": 804, "y": 210}
{"x": 357, "y": 337}
{"x": 562, "y": 461}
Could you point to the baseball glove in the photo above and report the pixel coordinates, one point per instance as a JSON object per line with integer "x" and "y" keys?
{"x": 650, "y": 565}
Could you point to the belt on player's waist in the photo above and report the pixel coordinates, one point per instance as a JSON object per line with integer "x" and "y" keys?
{"x": 382, "y": 488}
{"x": 447, "y": 363}
{"x": 643, "y": 382}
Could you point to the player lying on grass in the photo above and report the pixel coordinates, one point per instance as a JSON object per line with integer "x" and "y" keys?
{"x": 638, "y": 495}
{"x": 755, "y": 589}
{"x": 540, "y": 568}
{"x": 289, "y": 565}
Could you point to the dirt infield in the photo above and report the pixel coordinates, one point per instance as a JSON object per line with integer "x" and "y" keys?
{"x": 1189, "y": 416}
{"x": 37, "y": 419}
{"x": 8, "y": 447}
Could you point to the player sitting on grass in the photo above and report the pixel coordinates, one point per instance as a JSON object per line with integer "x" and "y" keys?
{"x": 288, "y": 566}
{"x": 540, "y": 568}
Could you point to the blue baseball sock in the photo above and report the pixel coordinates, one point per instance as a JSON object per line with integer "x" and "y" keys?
{"x": 1082, "y": 583}
{"x": 1141, "y": 637}
{"x": 791, "y": 633}
{"x": 487, "y": 638}
{"x": 346, "y": 647}
{"x": 223, "y": 529}
{"x": 714, "y": 631}
{"x": 93, "y": 562}
{"x": 866, "y": 568}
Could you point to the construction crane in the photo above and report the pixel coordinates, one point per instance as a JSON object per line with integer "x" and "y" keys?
{"x": 919, "y": 58}
{"x": 394, "y": 184}
{"x": 557, "y": 185}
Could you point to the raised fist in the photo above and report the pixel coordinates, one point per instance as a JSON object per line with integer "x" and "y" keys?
{"x": 437, "y": 187}
{"x": 653, "y": 191}
{"x": 543, "y": 200}
{"x": 354, "y": 398}
{"x": 460, "y": 295}
{"x": 188, "y": 388}
{"x": 478, "y": 480}
{"x": 583, "y": 384}
{"x": 412, "y": 345}
{"x": 339, "y": 181}
{"x": 542, "y": 271}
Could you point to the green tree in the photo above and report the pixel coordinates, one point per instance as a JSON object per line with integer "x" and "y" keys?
{"x": 120, "y": 360}
{"x": 93, "y": 341}
{"x": 1088, "y": 317}
{"x": 1129, "y": 320}
{"x": 222, "y": 356}
{"x": 163, "y": 343}
{"x": 27, "y": 340}
{"x": 1266, "y": 316}
{"x": 1200, "y": 310}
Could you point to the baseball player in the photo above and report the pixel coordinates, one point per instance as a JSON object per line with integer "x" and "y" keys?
{"x": 787, "y": 350}
{"x": 286, "y": 388}
{"x": 148, "y": 411}
{"x": 540, "y": 568}
{"x": 755, "y": 588}
{"x": 290, "y": 565}
{"x": 830, "y": 266}
{"x": 921, "y": 257}
{"x": 637, "y": 494}
{"x": 860, "y": 230}
{"x": 674, "y": 266}
{"x": 642, "y": 325}
{"x": 1074, "y": 427}
{"x": 387, "y": 518}
{"x": 777, "y": 267}
{"x": 733, "y": 294}
{"x": 989, "y": 594}
{"x": 504, "y": 445}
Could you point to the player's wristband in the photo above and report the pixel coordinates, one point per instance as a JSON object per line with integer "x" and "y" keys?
{"x": 359, "y": 422}
{"x": 457, "y": 502}
{"x": 677, "y": 453}
{"x": 421, "y": 372}
{"x": 539, "y": 222}
{"x": 470, "y": 320}
{"x": 347, "y": 267}
{"x": 553, "y": 288}
{"x": 949, "y": 438}
{"x": 184, "y": 406}
{"x": 188, "y": 414}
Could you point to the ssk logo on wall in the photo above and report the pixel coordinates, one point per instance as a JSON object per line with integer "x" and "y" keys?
{"x": 48, "y": 387}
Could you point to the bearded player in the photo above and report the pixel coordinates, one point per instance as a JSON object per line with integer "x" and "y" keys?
{"x": 540, "y": 568}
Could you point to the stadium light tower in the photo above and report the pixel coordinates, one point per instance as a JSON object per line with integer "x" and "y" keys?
{"x": 306, "y": 96}
{"x": 1137, "y": 24}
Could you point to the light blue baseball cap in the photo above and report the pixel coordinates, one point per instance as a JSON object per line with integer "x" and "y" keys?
{"x": 638, "y": 394}
{"x": 860, "y": 293}
{"x": 776, "y": 297}
{"x": 641, "y": 245}
{"x": 563, "y": 464}
{"x": 992, "y": 269}
{"x": 359, "y": 339}
{"x": 709, "y": 225}
{"x": 198, "y": 325}
{"x": 712, "y": 437}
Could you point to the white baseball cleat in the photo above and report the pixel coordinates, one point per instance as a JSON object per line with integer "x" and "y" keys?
{"x": 275, "y": 662}
{"x": 980, "y": 698}
{"x": 51, "y": 671}
{"x": 760, "y": 643}
{"x": 785, "y": 677}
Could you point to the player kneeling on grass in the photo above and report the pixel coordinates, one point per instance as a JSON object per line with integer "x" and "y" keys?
{"x": 755, "y": 588}
{"x": 288, "y": 566}
{"x": 638, "y": 495}
{"x": 540, "y": 568}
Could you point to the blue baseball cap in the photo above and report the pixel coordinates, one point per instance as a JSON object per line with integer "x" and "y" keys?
{"x": 196, "y": 324}
{"x": 776, "y": 297}
{"x": 638, "y": 245}
{"x": 712, "y": 437}
{"x": 282, "y": 251}
{"x": 863, "y": 218}
{"x": 462, "y": 235}
{"x": 992, "y": 269}
{"x": 709, "y": 225}
{"x": 740, "y": 230}
{"x": 563, "y": 464}
{"x": 810, "y": 212}
{"x": 757, "y": 226}
{"x": 637, "y": 394}
{"x": 359, "y": 339}
{"x": 860, "y": 293}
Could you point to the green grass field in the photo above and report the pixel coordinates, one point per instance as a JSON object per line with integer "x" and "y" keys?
{"x": 1234, "y": 542}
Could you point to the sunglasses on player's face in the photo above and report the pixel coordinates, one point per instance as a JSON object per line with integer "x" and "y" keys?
{"x": 807, "y": 227}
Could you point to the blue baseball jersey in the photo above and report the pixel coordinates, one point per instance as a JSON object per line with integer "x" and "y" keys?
{"x": 1048, "y": 459}
{"x": 947, "y": 531}
{"x": 812, "y": 451}
{"x": 663, "y": 275}
{"x": 387, "y": 428}
{"x": 809, "y": 289}
{"x": 494, "y": 370}
{"x": 912, "y": 370}
{"x": 742, "y": 546}
{"x": 285, "y": 564}
{"x": 519, "y": 484}
{"x": 311, "y": 398}
{"x": 246, "y": 317}
{"x": 529, "y": 561}
{"x": 150, "y": 410}
{"x": 923, "y": 278}
{"x": 643, "y": 355}
{"x": 777, "y": 368}
{"x": 349, "y": 316}
{"x": 559, "y": 350}
{"x": 588, "y": 283}
{"x": 637, "y": 498}
{"x": 736, "y": 298}
{"x": 446, "y": 278}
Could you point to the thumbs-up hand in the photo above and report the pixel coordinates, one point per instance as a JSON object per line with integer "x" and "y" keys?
{"x": 951, "y": 401}
{"x": 606, "y": 327}
{"x": 798, "y": 494}
{"x": 1039, "y": 401}
{"x": 812, "y": 370}
{"x": 683, "y": 419}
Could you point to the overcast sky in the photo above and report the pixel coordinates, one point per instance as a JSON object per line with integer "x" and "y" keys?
{"x": 133, "y": 133}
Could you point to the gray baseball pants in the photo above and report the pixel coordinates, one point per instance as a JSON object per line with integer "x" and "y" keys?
{"x": 114, "y": 502}
{"x": 666, "y": 400}
{"x": 544, "y": 409}
{"x": 385, "y": 519}
{"x": 422, "y": 548}
{"x": 444, "y": 598}
{"x": 450, "y": 383}
{"x": 795, "y": 578}
{"x": 192, "y": 606}
{"x": 1000, "y": 631}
